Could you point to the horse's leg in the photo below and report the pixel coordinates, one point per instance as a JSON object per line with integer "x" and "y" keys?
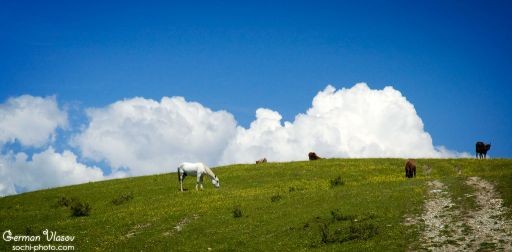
{"x": 201, "y": 179}
{"x": 180, "y": 179}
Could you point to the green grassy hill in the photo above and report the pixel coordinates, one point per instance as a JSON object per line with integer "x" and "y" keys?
{"x": 274, "y": 206}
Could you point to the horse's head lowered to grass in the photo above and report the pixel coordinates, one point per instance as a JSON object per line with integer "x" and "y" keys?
{"x": 216, "y": 182}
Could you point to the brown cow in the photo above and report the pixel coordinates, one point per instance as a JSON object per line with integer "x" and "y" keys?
{"x": 313, "y": 156}
{"x": 410, "y": 168}
{"x": 261, "y": 161}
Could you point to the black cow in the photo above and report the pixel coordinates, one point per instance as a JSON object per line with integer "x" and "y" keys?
{"x": 313, "y": 156}
{"x": 482, "y": 149}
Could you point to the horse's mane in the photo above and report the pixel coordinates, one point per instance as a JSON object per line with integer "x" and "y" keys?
{"x": 209, "y": 171}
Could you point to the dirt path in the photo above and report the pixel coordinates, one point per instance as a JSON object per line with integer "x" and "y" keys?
{"x": 490, "y": 227}
{"x": 484, "y": 228}
{"x": 442, "y": 231}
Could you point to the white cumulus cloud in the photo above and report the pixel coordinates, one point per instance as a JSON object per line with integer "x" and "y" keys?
{"x": 353, "y": 122}
{"x": 43, "y": 170}
{"x": 140, "y": 136}
{"x": 144, "y": 136}
{"x": 30, "y": 120}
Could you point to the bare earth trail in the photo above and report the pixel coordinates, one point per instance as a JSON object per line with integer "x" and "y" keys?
{"x": 489, "y": 222}
{"x": 447, "y": 227}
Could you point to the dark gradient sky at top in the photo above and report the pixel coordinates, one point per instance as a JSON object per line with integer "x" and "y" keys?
{"x": 451, "y": 59}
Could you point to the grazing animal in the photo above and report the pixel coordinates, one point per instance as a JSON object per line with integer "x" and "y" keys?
{"x": 482, "y": 149}
{"x": 261, "y": 161}
{"x": 410, "y": 168}
{"x": 313, "y": 156}
{"x": 198, "y": 169}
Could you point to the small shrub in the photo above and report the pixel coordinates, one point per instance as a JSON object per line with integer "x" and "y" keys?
{"x": 356, "y": 231}
{"x": 337, "y": 182}
{"x": 237, "y": 212}
{"x": 79, "y": 209}
{"x": 324, "y": 233}
{"x": 344, "y": 228}
{"x": 29, "y": 231}
{"x": 275, "y": 198}
{"x": 362, "y": 231}
{"x": 64, "y": 201}
{"x": 76, "y": 207}
{"x": 122, "y": 199}
{"x": 295, "y": 189}
{"x": 337, "y": 216}
{"x": 371, "y": 216}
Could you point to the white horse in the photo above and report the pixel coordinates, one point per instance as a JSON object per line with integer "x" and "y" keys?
{"x": 198, "y": 169}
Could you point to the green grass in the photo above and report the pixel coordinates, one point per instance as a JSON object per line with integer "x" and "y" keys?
{"x": 329, "y": 204}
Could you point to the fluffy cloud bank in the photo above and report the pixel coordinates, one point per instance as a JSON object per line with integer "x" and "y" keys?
{"x": 33, "y": 121}
{"x": 354, "y": 122}
{"x": 30, "y": 120}
{"x": 144, "y": 136}
{"x": 45, "y": 169}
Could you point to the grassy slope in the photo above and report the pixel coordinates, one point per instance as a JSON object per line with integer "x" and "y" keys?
{"x": 375, "y": 193}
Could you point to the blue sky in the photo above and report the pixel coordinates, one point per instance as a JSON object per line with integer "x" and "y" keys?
{"x": 450, "y": 59}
